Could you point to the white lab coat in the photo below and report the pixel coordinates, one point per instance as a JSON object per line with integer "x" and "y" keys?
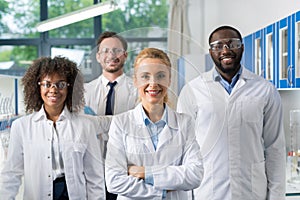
{"x": 241, "y": 137}
{"x": 176, "y": 164}
{"x": 29, "y": 154}
{"x": 125, "y": 94}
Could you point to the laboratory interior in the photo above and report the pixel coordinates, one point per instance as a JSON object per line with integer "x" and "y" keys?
{"x": 270, "y": 29}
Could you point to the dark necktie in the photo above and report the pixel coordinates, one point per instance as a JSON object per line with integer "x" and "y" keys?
{"x": 109, "y": 111}
{"x": 110, "y": 99}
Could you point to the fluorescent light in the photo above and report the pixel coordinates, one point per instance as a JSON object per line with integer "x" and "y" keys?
{"x": 76, "y": 16}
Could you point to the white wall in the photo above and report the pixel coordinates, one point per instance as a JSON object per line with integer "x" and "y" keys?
{"x": 246, "y": 15}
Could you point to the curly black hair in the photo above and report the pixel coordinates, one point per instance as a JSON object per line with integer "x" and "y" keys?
{"x": 44, "y": 66}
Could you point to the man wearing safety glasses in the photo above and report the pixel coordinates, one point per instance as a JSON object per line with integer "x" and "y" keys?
{"x": 111, "y": 55}
{"x": 238, "y": 117}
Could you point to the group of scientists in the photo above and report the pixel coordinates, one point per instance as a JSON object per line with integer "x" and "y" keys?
{"x": 225, "y": 141}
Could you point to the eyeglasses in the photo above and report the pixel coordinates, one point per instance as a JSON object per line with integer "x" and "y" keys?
{"x": 115, "y": 51}
{"x": 229, "y": 43}
{"x": 59, "y": 85}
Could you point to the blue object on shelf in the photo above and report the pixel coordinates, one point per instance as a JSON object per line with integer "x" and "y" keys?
{"x": 6, "y": 123}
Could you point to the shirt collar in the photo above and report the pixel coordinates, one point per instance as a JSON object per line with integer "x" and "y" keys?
{"x": 227, "y": 86}
{"x": 217, "y": 76}
{"x": 105, "y": 81}
{"x": 146, "y": 119}
{"x": 41, "y": 114}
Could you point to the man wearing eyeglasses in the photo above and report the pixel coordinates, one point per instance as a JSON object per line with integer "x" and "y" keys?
{"x": 239, "y": 127}
{"x": 111, "y": 55}
{"x": 112, "y": 92}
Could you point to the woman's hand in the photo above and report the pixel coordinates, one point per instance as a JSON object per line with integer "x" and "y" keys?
{"x": 136, "y": 171}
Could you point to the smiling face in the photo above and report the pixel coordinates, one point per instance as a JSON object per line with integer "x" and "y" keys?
{"x": 111, "y": 55}
{"x": 227, "y": 60}
{"x": 53, "y": 97}
{"x": 152, "y": 78}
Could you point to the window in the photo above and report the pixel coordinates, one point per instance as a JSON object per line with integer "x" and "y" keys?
{"x": 18, "y": 19}
{"x": 147, "y": 27}
{"x": 283, "y": 53}
{"x": 258, "y": 66}
{"x": 269, "y": 57}
{"x": 83, "y": 29}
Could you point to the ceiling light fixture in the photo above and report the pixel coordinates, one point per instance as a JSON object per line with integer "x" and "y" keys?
{"x": 76, "y": 16}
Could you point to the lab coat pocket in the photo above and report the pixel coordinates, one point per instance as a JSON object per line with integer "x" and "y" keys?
{"x": 74, "y": 153}
{"x": 252, "y": 109}
{"x": 139, "y": 142}
{"x": 78, "y": 154}
{"x": 138, "y": 154}
{"x": 259, "y": 181}
{"x": 136, "y": 149}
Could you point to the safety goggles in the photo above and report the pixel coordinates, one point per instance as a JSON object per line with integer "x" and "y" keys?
{"x": 114, "y": 51}
{"x": 229, "y": 43}
{"x": 59, "y": 85}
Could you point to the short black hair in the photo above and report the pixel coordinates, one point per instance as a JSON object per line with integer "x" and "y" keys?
{"x": 225, "y": 28}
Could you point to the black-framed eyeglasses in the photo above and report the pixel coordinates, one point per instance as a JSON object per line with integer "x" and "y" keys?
{"x": 115, "y": 51}
{"x": 229, "y": 43}
{"x": 59, "y": 85}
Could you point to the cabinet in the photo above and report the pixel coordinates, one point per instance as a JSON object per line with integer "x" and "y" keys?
{"x": 269, "y": 39}
{"x": 285, "y": 48}
{"x": 247, "y": 59}
{"x": 297, "y": 49}
{"x": 252, "y": 58}
{"x": 259, "y": 54}
{"x": 258, "y": 58}
{"x": 274, "y": 52}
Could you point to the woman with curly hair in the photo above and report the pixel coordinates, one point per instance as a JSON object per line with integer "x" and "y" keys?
{"x": 53, "y": 147}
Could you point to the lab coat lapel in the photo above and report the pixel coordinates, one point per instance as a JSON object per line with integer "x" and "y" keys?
{"x": 167, "y": 133}
{"x": 148, "y": 143}
{"x": 246, "y": 75}
{"x": 165, "y": 136}
{"x": 216, "y": 92}
{"x": 142, "y": 131}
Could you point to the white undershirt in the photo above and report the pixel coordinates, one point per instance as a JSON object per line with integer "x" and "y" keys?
{"x": 57, "y": 162}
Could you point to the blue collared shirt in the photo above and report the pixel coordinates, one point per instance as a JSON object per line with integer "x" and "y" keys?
{"x": 155, "y": 128}
{"x": 154, "y": 131}
{"x": 228, "y": 86}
